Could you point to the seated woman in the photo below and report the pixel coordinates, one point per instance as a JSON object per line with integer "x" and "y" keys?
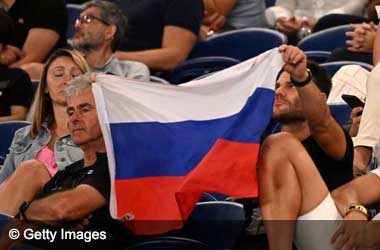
{"x": 16, "y": 90}
{"x": 44, "y": 146}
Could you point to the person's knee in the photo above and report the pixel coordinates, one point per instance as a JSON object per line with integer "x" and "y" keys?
{"x": 32, "y": 169}
{"x": 279, "y": 142}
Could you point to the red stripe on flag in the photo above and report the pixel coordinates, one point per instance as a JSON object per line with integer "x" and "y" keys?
{"x": 229, "y": 168}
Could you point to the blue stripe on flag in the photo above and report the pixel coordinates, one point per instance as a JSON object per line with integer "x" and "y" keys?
{"x": 154, "y": 149}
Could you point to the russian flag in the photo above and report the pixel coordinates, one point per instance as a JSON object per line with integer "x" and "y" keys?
{"x": 168, "y": 144}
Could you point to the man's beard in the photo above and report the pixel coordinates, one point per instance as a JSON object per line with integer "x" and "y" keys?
{"x": 289, "y": 117}
{"x": 85, "y": 44}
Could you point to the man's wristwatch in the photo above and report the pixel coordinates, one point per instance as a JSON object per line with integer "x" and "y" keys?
{"x": 355, "y": 207}
{"x": 304, "y": 82}
{"x": 24, "y": 206}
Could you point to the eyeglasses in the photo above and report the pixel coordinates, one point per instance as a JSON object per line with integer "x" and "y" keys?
{"x": 89, "y": 19}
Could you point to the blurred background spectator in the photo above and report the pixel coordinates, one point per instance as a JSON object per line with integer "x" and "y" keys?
{"x": 161, "y": 33}
{"x": 286, "y": 16}
{"x": 99, "y": 30}
{"x": 40, "y": 27}
{"x": 16, "y": 91}
{"x": 360, "y": 41}
{"x": 98, "y": 33}
{"x": 224, "y": 15}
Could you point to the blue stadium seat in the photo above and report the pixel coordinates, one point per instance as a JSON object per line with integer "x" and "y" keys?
{"x": 333, "y": 67}
{"x": 341, "y": 113}
{"x": 35, "y": 84}
{"x": 239, "y": 44}
{"x": 7, "y": 130}
{"x": 169, "y": 243}
{"x": 73, "y": 11}
{"x": 318, "y": 56}
{"x": 326, "y": 40}
{"x": 216, "y": 223}
{"x": 200, "y": 66}
{"x": 269, "y": 3}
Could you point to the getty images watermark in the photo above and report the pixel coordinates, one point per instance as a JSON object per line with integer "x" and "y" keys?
{"x": 52, "y": 235}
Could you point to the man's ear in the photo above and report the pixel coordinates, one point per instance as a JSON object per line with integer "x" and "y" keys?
{"x": 324, "y": 96}
{"x": 110, "y": 32}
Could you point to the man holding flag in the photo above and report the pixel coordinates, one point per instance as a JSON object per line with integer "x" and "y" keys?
{"x": 312, "y": 149}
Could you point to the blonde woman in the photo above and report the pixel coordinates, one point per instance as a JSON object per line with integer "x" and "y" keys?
{"x": 44, "y": 146}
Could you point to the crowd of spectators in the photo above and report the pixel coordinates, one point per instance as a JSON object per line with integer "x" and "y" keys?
{"x": 308, "y": 171}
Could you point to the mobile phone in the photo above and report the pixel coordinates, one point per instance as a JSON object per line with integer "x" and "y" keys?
{"x": 353, "y": 101}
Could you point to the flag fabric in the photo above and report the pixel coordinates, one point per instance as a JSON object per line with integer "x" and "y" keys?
{"x": 167, "y": 144}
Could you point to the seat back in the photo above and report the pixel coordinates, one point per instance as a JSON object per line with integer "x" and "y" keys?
{"x": 318, "y": 56}
{"x": 7, "y": 131}
{"x": 333, "y": 67}
{"x": 168, "y": 243}
{"x": 216, "y": 223}
{"x": 269, "y": 3}
{"x": 239, "y": 44}
{"x": 200, "y": 66}
{"x": 341, "y": 113}
{"x": 73, "y": 12}
{"x": 326, "y": 40}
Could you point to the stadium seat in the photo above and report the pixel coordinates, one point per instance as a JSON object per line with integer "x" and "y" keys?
{"x": 341, "y": 113}
{"x": 239, "y": 44}
{"x": 207, "y": 197}
{"x": 333, "y": 67}
{"x": 326, "y": 40}
{"x": 73, "y": 11}
{"x": 7, "y": 130}
{"x": 35, "y": 84}
{"x": 169, "y": 243}
{"x": 200, "y": 66}
{"x": 216, "y": 223}
{"x": 318, "y": 56}
{"x": 269, "y": 3}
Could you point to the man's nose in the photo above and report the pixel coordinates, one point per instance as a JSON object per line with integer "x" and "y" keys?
{"x": 77, "y": 23}
{"x": 74, "y": 117}
{"x": 280, "y": 91}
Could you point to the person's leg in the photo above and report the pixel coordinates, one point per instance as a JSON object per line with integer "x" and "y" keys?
{"x": 22, "y": 185}
{"x": 290, "y": 186}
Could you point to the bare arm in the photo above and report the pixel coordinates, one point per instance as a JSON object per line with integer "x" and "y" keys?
{"x": 37, "y": 46}
{"x": 376, "y": 49}
{"x": 17, "y": 113}
{"x": 323, "y": 126}
{"x": 221, "y": 6}
{"x": 177, "y": 43}
{"x": 64, "y": 206}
